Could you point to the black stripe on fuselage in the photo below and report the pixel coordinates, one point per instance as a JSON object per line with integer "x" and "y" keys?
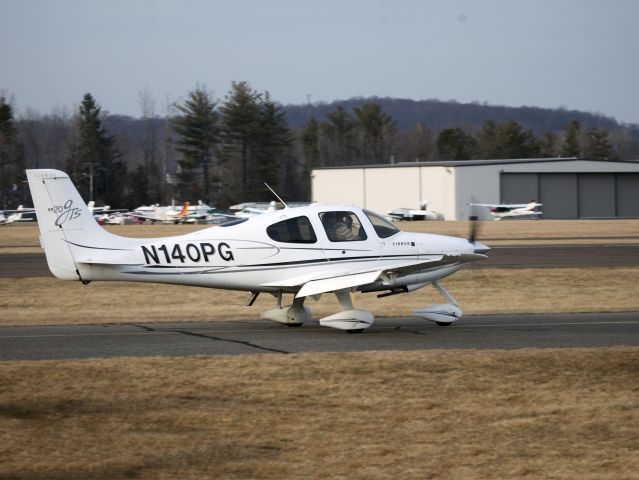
{"x": 98, "y": 248}
{"x": 270, "y": 266}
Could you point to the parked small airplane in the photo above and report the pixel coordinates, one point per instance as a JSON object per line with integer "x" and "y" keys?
{"x": 7, "y": 217}
{"x": 172, "y": 214}
{"x": 303, "y": 251}
{"x": 421, "y": 213}
{"x": 500, "y": 211}
{"x": 249, "y": 209}
{"x": 156, "y": 213}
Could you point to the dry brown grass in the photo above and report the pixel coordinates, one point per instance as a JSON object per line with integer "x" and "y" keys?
{"x": 560, "y": 414}
{"x": 23, "y": 238}
{"x": 33, "y": 301}
{"x": 533, "y": 228}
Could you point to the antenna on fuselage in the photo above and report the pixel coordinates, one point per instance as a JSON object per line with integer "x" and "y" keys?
{"x": 276, "y": 195}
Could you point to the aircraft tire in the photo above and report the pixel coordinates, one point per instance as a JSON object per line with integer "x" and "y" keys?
{"x": 293, "y": 324}
{"x": 355, "y": 330}
{"x": 443, "y": 324}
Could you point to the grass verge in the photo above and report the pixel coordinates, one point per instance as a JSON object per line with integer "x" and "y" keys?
{"x": 40, "y": 301}
{"x": 561, "y": 414}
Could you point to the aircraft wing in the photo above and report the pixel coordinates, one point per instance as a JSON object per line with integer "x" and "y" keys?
{"x": 103, "y": 210}
{"x": 20, "y": 210}
{"x": 329, "y": 281}
{"x": 500, "y": 205}
{"x": 143, "y": 216}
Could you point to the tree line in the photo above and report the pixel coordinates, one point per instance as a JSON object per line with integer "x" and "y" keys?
{"x": 223, "y": 151}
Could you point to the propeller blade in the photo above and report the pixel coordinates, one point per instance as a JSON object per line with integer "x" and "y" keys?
{"x": 473, "y": 233}
{"x": 474, "y": 225}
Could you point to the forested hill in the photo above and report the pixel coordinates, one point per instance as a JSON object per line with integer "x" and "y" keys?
{"x": 437, "y": 115}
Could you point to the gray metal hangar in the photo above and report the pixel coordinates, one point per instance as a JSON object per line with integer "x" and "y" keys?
{"x": 568, "y": 188}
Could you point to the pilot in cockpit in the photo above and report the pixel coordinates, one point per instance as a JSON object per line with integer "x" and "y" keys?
{"x": 339, "y": 226}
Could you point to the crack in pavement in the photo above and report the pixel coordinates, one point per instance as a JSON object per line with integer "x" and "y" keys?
{"x": 231, "y": 340}
{"x": 211, "y": 337}
{"x": 144, "y": 327}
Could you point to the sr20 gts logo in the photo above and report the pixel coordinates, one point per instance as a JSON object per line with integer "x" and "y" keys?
{"x": 194, "y": 252}
{"x": 65, "y": 213}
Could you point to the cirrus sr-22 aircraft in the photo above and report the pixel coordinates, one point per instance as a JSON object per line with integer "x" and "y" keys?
{"x": 305, "y": 251}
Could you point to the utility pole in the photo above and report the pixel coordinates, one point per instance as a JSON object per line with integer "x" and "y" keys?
{"x": 91, "y": 165}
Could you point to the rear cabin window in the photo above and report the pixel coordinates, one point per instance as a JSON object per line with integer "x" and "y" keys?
{"x": 293, "y": 230}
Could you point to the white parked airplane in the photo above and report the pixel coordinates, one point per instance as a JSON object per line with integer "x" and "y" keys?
{"x": 7, "y": 217}
{"x": 421, "y": 213}
{"x": 499, "y": 211}
{"x": 156, "y": 213}
{"x": 187, "y": 213}
{"x": 304, "y": 251}
{"x": 246, "y": 210}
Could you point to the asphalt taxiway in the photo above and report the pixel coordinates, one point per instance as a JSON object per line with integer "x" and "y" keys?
{"x": 255, "y": 337}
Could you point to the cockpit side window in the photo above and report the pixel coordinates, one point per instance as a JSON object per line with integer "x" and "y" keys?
{"x": 293, "y": 230}
{"x": 342, "y": 226}
{"x": 383, "y": 227}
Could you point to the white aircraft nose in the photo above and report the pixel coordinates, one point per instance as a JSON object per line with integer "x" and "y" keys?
{"x": 479, "y": 247}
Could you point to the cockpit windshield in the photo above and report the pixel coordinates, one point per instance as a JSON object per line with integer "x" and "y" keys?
{"x": 383, "y": 227}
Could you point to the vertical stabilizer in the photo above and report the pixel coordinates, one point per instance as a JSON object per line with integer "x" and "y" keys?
{"x": 185, "y": 210}
{"x": 63, "y": 219}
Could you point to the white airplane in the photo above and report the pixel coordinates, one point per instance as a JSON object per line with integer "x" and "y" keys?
{"x": 93, "y": 209}
{"x": 173, "y": 214}
{"x": 499, "y": 211}
{"x": 156, "y": 213}
{"x": 304, "y": 251}
{"x": 246, "y": 210}
{"x": 421, "y": 213}
{"x": 7, "y": 217}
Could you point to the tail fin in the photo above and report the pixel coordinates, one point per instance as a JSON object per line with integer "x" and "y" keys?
{"x": 63, "y": 218}
{"x": 185, "y": 209}
{"x": 18, "y": 215}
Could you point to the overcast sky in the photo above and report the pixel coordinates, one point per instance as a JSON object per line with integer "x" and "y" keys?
{"x": 580, "y": 54}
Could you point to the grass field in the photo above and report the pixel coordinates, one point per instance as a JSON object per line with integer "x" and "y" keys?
{"x": 560, "y": 414}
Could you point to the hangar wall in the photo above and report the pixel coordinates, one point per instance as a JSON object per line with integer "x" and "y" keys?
{"x": 382, "y": 186}
{"x": 568, "y": 188}
{"x": 439, "y": 190}
{"x": 476, "y": 184}
{"x": 383, "y": 189}
{"x": 346, "y": 187}
{"x": 576, "y": 195}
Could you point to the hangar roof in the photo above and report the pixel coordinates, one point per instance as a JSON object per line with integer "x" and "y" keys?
{"x": 471, "y": 163}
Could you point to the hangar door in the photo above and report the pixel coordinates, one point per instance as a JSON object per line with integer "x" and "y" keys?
{"x": 575, "y": 195}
